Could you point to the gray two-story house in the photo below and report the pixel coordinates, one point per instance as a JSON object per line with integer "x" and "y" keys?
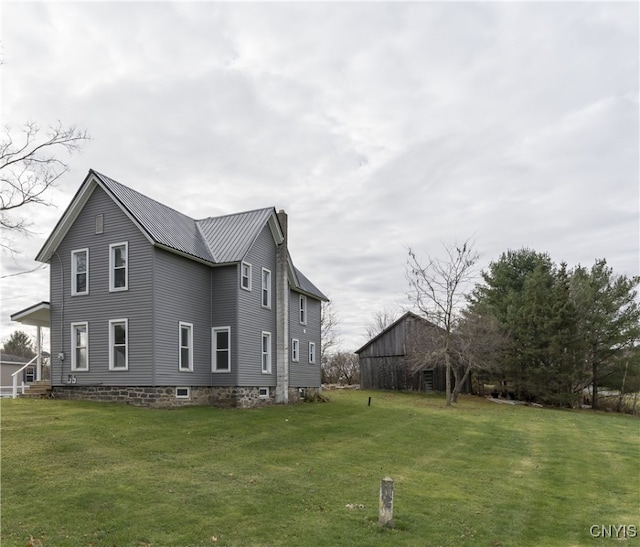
{"x": 149, "y": 306}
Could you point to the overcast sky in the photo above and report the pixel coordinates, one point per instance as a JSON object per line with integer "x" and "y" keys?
{"x": 376, "y": 126}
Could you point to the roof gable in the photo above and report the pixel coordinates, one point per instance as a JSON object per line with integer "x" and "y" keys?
{"x": 230, "y": 237}
{"x": 404, "y": 317}
{"x": 216, "y": 240}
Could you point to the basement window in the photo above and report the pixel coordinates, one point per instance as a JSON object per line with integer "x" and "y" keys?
{"x": 183, "y": 393}
{"x": 263, "y": 392}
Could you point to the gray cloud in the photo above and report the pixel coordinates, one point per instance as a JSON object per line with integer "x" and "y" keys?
{"x": 376, "y": 126}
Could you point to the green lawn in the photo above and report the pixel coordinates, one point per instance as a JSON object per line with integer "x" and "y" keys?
{"x": 91, "y": 474}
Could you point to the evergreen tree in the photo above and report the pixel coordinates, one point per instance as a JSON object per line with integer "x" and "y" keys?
{"x": 608, "y": 319}
{"x": 20, "y": 344}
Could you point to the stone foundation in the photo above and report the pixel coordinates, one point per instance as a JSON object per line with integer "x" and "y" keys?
{"x": 165, "y": 396}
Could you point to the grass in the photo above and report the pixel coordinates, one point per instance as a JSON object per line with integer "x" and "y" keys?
{"x": 80, "y": 473}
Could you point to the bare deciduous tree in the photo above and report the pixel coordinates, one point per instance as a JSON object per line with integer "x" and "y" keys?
{"x": 437, "y": 289}
{"x": 329, "y": 336}
{"x": 341, "y": 367}
{"x": 380, "y": 321}
{"x": 29, "y": 166}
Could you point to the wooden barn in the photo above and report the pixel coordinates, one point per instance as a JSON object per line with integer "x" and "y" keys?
{"x": 401, "y": 358}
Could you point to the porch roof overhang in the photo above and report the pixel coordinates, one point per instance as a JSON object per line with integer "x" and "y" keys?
{"x": 38, "y": 315}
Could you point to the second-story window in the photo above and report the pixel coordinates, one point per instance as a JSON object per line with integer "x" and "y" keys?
{"x": 303, "y": 309}
{"x": 118, "y": 266}
{"x": 266, "y": 288}
{"x": 80, "y": 272}
{"x": 245, "y": 276}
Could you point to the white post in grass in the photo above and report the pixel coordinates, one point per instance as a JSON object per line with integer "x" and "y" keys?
{"x": 386, "y": 503}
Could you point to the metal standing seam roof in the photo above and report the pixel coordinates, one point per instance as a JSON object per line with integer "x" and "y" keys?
{"x": 230, "y": 237}
{"x": 163, "y": 224}
{"x": 217, "y": 240}
{"x": 304, "y": 285}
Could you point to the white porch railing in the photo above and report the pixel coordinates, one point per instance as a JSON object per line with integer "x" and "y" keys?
{"x": 14, "y": 377}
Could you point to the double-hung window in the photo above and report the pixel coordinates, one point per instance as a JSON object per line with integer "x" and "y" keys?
{"x": 186, "y": 346}
{"x": 118, "y": 344}
{"x": 266, "y": 352}
{"x": 221, "y": 350}
{"x": 266, "y": 288}
{"x": 295, "y": 350}
{"x": 312, "y": 352}
{"x": 245, "y": 276}
{"x": 80, "y": 272}
{"x": 79, "y": 346}
{"x": 118, "y": 266}
{"x": 303, "y": 309}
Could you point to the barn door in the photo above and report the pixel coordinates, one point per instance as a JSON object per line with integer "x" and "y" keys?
{"x": 427, "y": 380}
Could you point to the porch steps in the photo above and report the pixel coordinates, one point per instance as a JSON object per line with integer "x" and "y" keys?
{"x": 37, "y": 390}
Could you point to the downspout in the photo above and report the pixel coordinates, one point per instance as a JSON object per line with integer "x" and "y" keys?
{"x": 61, "y": 319}
{"x": 282, "y": 316}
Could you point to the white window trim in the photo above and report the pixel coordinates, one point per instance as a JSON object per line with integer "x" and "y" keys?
{"x": 267, "y": 354}
{"x": 263, "y": 393}
{"x": 242, "y": 277}
{"x": 189, "y": 368}
{"x": 214, "y": 352}
{"x": 74, "y": 272}
{"x": 112, "y": 288}
{"x": 312, "y": 353}
{"x": 112, "y": 322}
{"x": 295, "y": 350}
{"x": 187, "y": 395}
{"x": 268, "y": 289}
{"x": 74, "y": 364}
{"x": 302, "y": 311}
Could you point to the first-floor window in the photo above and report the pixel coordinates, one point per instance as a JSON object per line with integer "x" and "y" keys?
{"x": 221, "y": 354}
{"x": 266, "y": 352}
{"x": 186, "y": 346}
{"x": 295, "y": 350}
{"x": 80, "y": 346}
{"x": 312, "y": 352}
{"x": 118, "y": 344}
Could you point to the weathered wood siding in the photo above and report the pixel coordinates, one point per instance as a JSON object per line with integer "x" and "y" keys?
{"x": 100, "y": 305}
{"x": 394, "y": 373}
{"x": 388, "y": 362}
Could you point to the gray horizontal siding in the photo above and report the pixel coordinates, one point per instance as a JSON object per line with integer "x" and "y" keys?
{"x": 303, "y": 373}
{"x": 181, "y": 294}
{"x": 253, "y": 319}
{"x": 224, "y": 313}
{"x": 100, "y": 305}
